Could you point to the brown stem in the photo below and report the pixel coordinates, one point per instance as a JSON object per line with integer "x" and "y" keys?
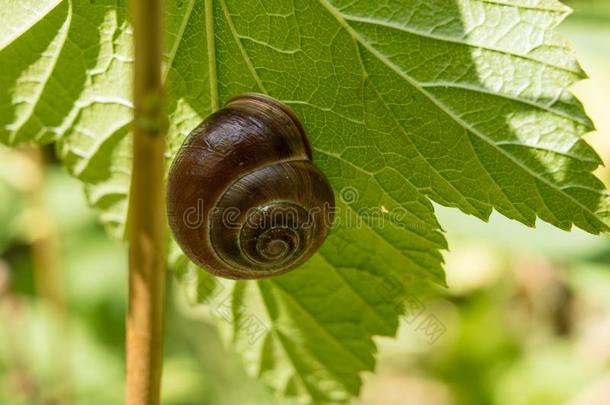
{"x": 46, "y": 264}
{"x": 48, "y": 278}
{"x": 145, "y": 320}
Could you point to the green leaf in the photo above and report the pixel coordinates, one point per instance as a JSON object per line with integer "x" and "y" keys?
{"x": 464, "y": 103}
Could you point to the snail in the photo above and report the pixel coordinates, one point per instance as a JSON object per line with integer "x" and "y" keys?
{"x": 244, "y": 199}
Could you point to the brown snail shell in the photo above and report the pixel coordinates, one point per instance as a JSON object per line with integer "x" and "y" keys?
{"x": 244, "y": 199}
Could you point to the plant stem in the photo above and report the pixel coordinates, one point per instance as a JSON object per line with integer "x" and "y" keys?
{"x": 46, "y": 268}
{"x": 145, "y": 320}
{"x": 46, "y": 264}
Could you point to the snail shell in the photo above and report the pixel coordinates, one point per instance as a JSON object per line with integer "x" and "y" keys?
{"x": 245, "y": 200}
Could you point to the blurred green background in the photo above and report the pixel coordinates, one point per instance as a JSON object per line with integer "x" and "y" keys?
{"x": 526, "y": 319}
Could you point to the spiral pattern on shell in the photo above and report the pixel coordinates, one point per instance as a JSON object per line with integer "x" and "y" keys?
{"x": 245, "y": 200}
